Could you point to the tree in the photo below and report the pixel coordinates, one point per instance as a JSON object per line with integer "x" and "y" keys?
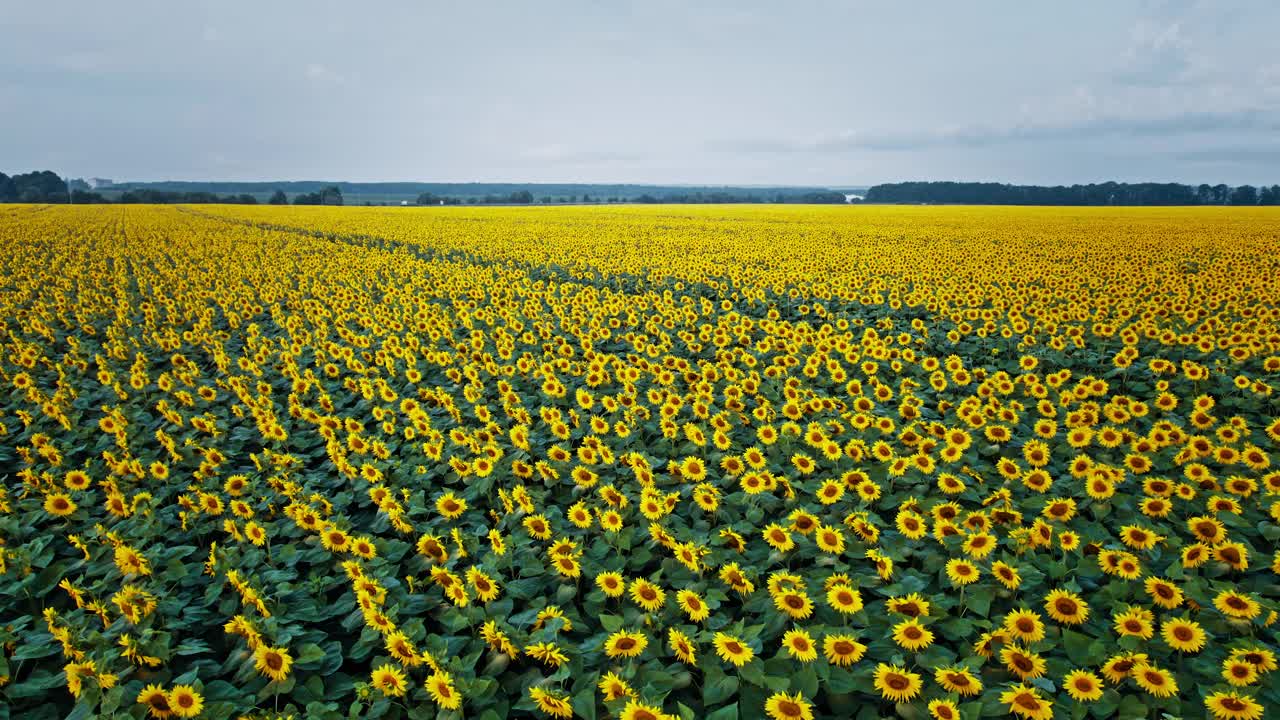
{"x": 1244, "y": 195}
{"x": 326, "y": 196}
{"x": 278, "y": 198}
{"x": 84, "y": 197}
{"x": 1107, "y": 193}
{"x": 43, "y": 186}
{"x": 8, "y": 191}
{"x": 521, "y": 197}
{"x": 1269, "y": 195}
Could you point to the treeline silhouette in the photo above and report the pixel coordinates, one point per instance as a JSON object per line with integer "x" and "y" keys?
{"x": 1108, "y": 193}
{"x": 524, "y": 197}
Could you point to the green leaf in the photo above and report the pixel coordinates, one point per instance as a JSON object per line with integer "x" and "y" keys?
{"x": 728, "y": 712}
{"x": 805, "y": 682}
{"x": 584, "y": 703}
{"x": 1131, "y": 708}
{"x": 841, "y": 681}
{"x": 34, "y": 650}
{"x": 309, "y": 656}
{"x": 718, "y": 688}
{"x": 1077, "y": 647}
{"x": 752, "y": 672}
{"x": 979, "y": 602}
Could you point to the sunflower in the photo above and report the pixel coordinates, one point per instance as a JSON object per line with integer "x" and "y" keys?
{"x": 896, "y": 684}
{"x": 1027, "y": 703}
{"x": 1138, "y": 537}
{"x": 844, "y": 599}
{"x": 440, "y": 686}
{"x": 59, "y": 504}
{"x": 830, "y": 492}
{"x": 781, "y": 706}
{"x": 1236, "y": 605}
{"x": 273, "y": 662}
{"x": 1207, "y": 529}
{"x": 912, "y": 525}
{"x": 401, "y": 648}
{"x": 799, "y": 645}
{"x": 485, "y": 587}
{"x": 636, "y": 710}
{"x": 1233, "y": 706}
{"x": 1119, "y": 667}
{"x": 648, "y": 596}
{"x": 610, "y": 521}
{"x": 1066, "y": 607}
{"x": 185, "y": 701}
{"x": 1134, "y": 622}
{"x": 389, "y": 679}
{"x": 450, "y": 506}
{"x": 778, "y": 538}
{"x": 829, "y": 539}
{"x": 693, "y": 605}
{"x": 1238, "y": 672}
{"x": 1023, "y": 663}
{"x": 910, "y": 605}
{"x": 962, "y": 572}
{"x": 731, "y": 649}
{"x": 979, "y": 545}
{"x": 1163, "y": 593}
{"x": 731, "y": 575}
{"x": 538, "y": 527}
{"x": 549, "y": 613}
{"x": 1154, "y": 680}
{"x": 547, "y": 653}
{"x": 1183, "y": 635}
{"x": 625, "y": 644}
{"x": 77, "y": 480}
{"x": 156, "y": 700}
{"x": 682, "y": 646}
{"x": 1025, "y": 625}
{"x": 1194, "y": 555}
{"x": 944, "y": 710}
{"x": 803, "y": 522}
{"x": 611, "y": 584}
{"x": 842, "y": 649}
{"x": 795, "y": 604}
{"x": 957, "y": 680}
{"x": 614, "y": 687}
{"x": 567, "y": 566}
{"x": 553, "y": 705}
{"x": 1083, "y": 686}
{"x": 912, "y": 635}
{"x": 1261, "y": 658}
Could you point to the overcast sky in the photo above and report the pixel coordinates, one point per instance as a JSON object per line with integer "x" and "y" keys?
{"x": 664, "y": 91}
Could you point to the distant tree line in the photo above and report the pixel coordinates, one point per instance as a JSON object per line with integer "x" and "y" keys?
{"x": 330, "y": 195}
{"x": 42, "y": 186}
{"x": 524, "y": 197}
{"x": 1108, "y": 193}
{"x": 165, "y": 197}
{"x": 45, "y": 186}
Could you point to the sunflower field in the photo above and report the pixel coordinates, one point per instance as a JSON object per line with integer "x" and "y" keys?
{"x": 639, "y": 462}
